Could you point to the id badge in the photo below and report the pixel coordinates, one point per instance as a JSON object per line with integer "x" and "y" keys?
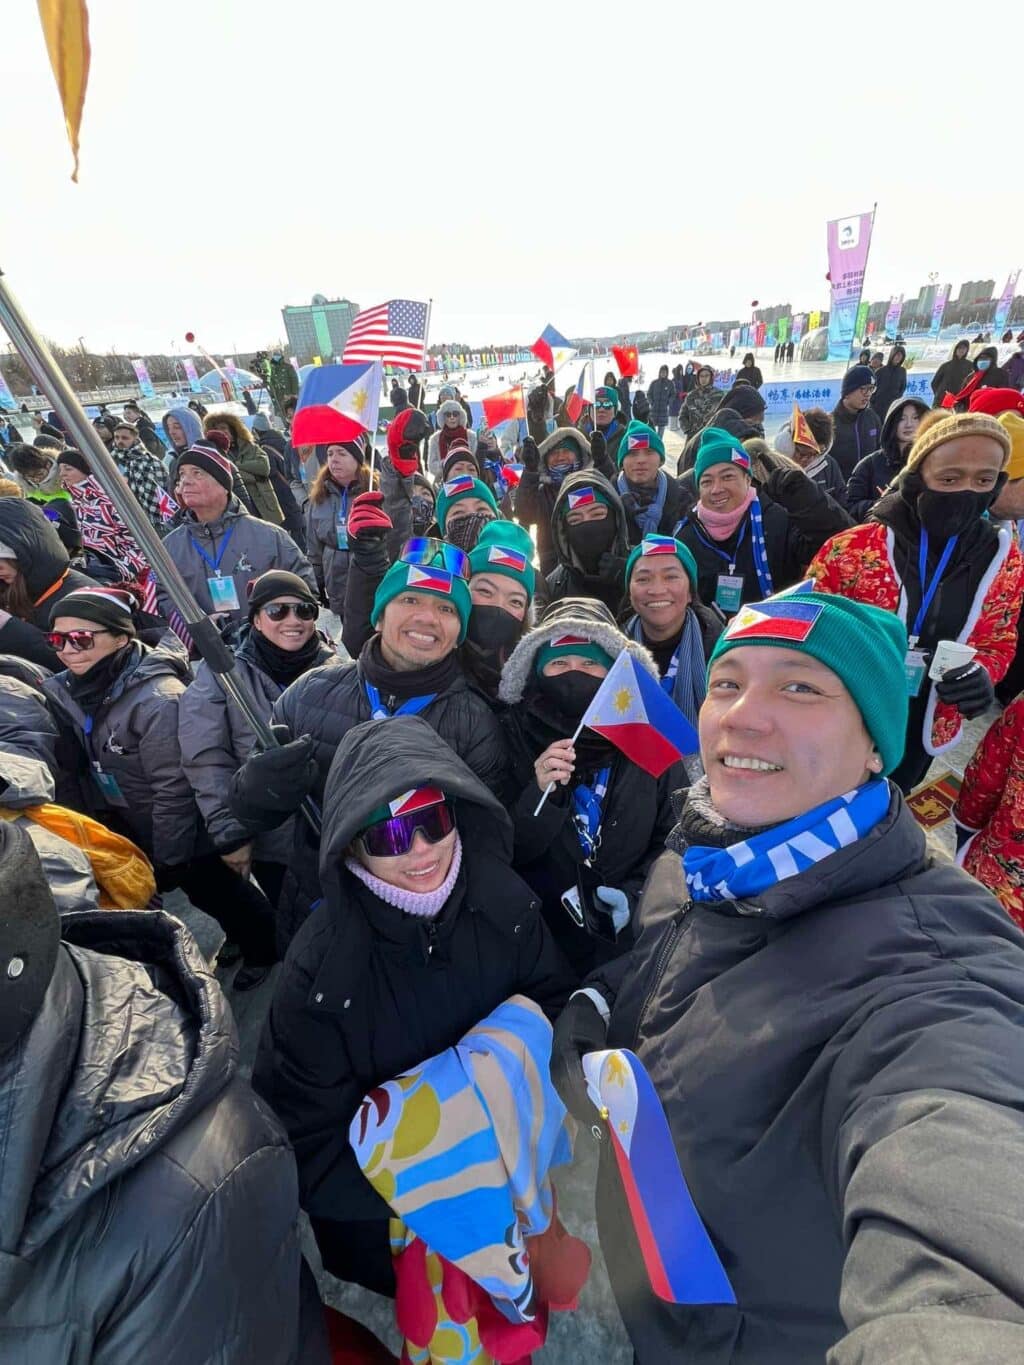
{"x": 342, "y": 535}
{"x": 108, "y": 786}
{"x": 223, "y": 594}
{"x": 729, "y": 593}
{"x": 915, "y": 666}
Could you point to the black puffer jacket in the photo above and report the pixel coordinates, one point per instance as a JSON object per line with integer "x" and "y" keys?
{"x": 143, "y": 1184}
{"x": 841, "y": 1070}
{"x": 636, "y": 814}
{"x": 44, "y": 565}
{"x": 568, "y": 578}
{"x": 856, "y": 434}
{"x": 874, "y": 474}
{"x": 367, "y": 991}
{"x": 890, "y": 382}
{"x": 660, "y": 395}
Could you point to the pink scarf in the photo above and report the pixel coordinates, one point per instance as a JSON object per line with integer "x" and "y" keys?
{"x": 422, "y": 904}
{"x": 722, "y": 525}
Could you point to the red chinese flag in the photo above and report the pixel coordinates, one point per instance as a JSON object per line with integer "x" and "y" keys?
{"x": 628, "y": 360}
{"x": 503, "y": 407}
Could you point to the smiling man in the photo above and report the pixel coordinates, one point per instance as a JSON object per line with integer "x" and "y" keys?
{"x": 831, "y": 1020}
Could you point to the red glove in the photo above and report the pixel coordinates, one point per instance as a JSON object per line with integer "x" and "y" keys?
{"x": 368, "y": 518}
{"x": 406, "y": 464}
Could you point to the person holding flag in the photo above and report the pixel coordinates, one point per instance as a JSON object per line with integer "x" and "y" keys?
{"x": 342, "y": 477}
{"x": 588, "y": 849}
{"x": 831, "y": 1021}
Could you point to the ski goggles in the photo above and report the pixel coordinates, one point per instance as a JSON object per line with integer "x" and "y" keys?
{"x": 392, "y": 837}
{"x": 429, "y": 551}
{"x": 78, "y": 640}
{"x": 303, "y": 611}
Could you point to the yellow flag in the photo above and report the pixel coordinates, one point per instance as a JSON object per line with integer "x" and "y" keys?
{"x": 66, "y": 26}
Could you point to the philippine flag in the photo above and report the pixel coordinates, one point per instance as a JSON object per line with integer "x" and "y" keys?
{"x": 337, "y": 403}
{"x": 658, "y": 545}
{"x": 778, "y": 618}
{"x": 417, "y": 799}
{"x": 462, "y": 483}
{"x": 429, "y": 580}
{"x": 633, "y": 711}
{"x": 508, "y": 559}
{"x": 583, "y": 498}
{"x": 582, "y": 394}
{"x": 679, "y": 1256}
{"x": 554, "y": 349}
{"x": 509, "y": 476}
{"x": 638, "y": 440}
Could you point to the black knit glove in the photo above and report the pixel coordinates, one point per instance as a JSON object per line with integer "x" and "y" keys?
{"x": 530, "y": 454}
{"x": 792, "y": 490}
{"x": 278, "y": 779}
{"x": 598, "y": 445}
{"x": 968, "y": 688}
{"x": 580, "y": 1028}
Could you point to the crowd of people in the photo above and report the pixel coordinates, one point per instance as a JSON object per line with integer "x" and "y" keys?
{"x": 460, "y": 878}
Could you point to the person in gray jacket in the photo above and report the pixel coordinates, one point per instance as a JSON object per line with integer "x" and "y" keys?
{"x": 341, "y": 479}
{"x": 150, "y": 1200}
{"x": 219, "y": 548}
{"x": 280, "y": 645}
{"x": 119, "y": 698}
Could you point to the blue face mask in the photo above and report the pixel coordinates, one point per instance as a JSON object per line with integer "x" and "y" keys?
{"x": 984, "y": 364}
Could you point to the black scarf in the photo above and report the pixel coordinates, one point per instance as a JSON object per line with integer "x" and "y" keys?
{"x": 542, "y": 723}
{"x": 90, "y": 689}
{"x": 398, "y": 685}
{"x": 284, "y": 665}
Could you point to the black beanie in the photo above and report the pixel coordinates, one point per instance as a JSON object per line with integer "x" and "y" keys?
{"x": 108, "y": 607}
{"x": 206, "y": 455}
{"x": 353, "y": 448}
{"x": 745, "y": 400}
{"x": 277, "y": 583}
{"x": 75, "y": 459}
{"x": 29, "y": 934}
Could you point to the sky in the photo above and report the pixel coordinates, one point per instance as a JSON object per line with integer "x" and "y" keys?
{"x": 600, "y": 167}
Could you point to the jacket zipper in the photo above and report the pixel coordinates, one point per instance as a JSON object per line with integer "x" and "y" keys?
{"x": 431, "y": 938}
{"x": 661, "y": 963}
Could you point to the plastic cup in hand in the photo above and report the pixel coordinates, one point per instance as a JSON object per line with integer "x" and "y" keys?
{"x": 949, "y": 654}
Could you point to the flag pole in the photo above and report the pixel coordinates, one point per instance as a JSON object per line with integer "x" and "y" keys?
{"x": 50, "y": 379}
{"x": 551, "y": 786}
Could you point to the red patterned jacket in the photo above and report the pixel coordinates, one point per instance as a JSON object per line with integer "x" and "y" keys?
{"x": 991, "y": 801}
{"x": 859, "y": 564}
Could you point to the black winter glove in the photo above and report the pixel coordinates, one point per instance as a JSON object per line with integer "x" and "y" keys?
{"x": 968, "y": 688}
{"x": 530, "y": 454}
{"x": 612, "y": 568}
{"x": 278, "y": 779}
{"x": 792, "y": 489}
{"x": 598, "y": 445}
{"x": 579, "y": 1029}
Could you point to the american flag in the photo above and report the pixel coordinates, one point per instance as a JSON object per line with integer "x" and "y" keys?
{"x": 395, "y": 332}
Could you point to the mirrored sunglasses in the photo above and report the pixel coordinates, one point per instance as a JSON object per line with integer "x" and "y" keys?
{"x": 391, "y": 838}
{"x": 303, "y": 611}
{"x": 78, "y": 640}
{"x": 606, "y": 407}
{"x": 437, "y": 554}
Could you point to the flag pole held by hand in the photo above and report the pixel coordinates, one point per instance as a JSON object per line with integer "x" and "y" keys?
{"x": 551, "y": 786}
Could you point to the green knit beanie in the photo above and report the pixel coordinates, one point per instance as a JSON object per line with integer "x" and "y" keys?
{"x": 462, "y": 486}
{"x": 606, "y": 394}
{"x": 719, "y": 447}
{"x": 639, "y": 436}
{"x": 562, "y": 646}
{"x": 663, "y": 545}
{"x": 505, "y": 547}
{"x": 863, "y": 645}
{"x": 402, "y": 577}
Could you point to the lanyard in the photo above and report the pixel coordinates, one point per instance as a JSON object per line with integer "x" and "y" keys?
{"x": 928, "y": 590}
{"x": 587, "y": 817}
{"x": 343, "y": 509}
{"x": 721, "y": 553}
{"x": 378, "y": 711}
{"x": 214, "y": 564}
{"x": 668, "y": 682}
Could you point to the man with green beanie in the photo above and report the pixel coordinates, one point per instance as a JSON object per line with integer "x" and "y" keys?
{"x": 831, "y": 1019}
{"x": 502, "y": 584}
{"x": 464, "y": 507}
{"x": 610, "y": 426}
{"x": 653, "y": 501}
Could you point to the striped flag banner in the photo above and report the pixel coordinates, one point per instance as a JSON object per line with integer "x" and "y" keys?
{"x": 394, "y": 332}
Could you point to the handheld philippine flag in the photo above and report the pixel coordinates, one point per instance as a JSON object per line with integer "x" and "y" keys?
{"x": 679, "y": 1256}
{"x": 504, "y": 407}
{"x": 553, "y": 349}
{"x": 801, "y": 431}
{"x": 508, "y": 476}
{"x": 633, "y": 711}
{"x": 628, "y": 360}
{"x": 582, "y": 394}
{"x": 777, "y": 618}
{"x": 66, "y": 27}
{"x": 337, "y": 403}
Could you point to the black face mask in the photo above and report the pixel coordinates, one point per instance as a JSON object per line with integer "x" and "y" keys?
{"x": 570, "y": 692}
{"x": 590, "y": 539}
{"x": 422, "y": 514}
{"x": 465, "y": 531}
{"x": 494, "y": 631}
{"x": 951, "y": 514}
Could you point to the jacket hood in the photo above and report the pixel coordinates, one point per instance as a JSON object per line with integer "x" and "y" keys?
{"x": 167, "y": 659}
{"x": 887, "y": 439}
{"x": 572, "y": 616}
{"x": 382, "y": 759}
{"x": 564, "y": 436}
{"x": 190, "y": 424}
{"x": 987, "y": 352}
{"x": 84, "y": 1099}
{"x": 37, "y": 547}
{"x": 587, "y": 478}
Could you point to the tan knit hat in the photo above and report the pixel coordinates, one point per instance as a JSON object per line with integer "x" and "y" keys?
{"x": 939, "y": 433}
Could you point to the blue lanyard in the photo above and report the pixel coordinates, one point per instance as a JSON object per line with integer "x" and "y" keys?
{"x": 343, "y": 509}
{"x": 378, "y": 711}
{"x": 668, "y": 682}
{"x": 214, "y": 564}
{"x": 928, "y": 590}
{"x": 587, "y": 817}
{"x": 731, "y": 561}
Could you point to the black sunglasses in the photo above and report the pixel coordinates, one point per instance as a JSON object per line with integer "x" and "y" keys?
{"x": 304, "y": 611}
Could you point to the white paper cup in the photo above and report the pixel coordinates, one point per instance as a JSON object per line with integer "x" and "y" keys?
{"x": 949, "y": 654}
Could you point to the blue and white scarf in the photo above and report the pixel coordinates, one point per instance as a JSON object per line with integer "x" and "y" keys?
{"x": 753, "y": 865}
{"x": 647, "y": 518}
{"x": 764, "y": 574}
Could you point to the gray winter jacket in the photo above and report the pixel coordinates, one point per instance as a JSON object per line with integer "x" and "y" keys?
{"x": 254, "y": 547}
{"x": 216, "y": 740}
{"x": 27, "y": 782}
{"x": 134, "y": 739}
{"x": 27, "y": 726}
{"x": 330, "y": 562}
{"x": 150, "y": 1200}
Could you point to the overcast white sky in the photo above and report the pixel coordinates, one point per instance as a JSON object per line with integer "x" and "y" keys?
{"x": 597, "y": 166}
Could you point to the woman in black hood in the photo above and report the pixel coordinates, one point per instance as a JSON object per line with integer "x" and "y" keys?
{"x": 890, "y": 380}
{"x": 590, "y": 535}
{"x": 873, "y": 475}
{"x": 35, "y": 573}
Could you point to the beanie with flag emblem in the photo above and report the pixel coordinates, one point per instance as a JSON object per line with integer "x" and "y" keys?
{"x": 639, "y": 436}
{"x": 863, "y": 645}
{"x": 605, "y": 394}
{"x": 505, "y": 547}
{"x": 570, "y": 646}
{"x": 718, "y": 446}
{"x": 462, "y": 486}
{"x": 402, "y": 577}
{"x": 584, "y": 495}
{"x": 663, "y": 545}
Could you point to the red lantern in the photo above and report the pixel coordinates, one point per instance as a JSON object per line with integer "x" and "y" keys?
{"x": 754, "y": 303}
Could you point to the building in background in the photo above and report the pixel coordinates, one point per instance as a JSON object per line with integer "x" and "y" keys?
{"x": 318, "y": 328}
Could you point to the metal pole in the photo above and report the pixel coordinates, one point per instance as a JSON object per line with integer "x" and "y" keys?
{"x": 48, "y": 376}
